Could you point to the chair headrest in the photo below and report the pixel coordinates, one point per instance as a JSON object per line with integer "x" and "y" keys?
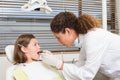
{"x": 9, "y": 49}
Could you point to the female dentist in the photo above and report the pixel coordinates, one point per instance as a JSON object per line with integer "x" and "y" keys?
{"x": 100, "y": 48}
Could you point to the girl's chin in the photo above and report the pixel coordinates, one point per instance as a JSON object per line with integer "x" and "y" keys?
{"x": 35, "y": 59}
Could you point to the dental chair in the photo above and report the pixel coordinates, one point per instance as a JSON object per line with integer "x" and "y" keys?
{"x": 9, "y": 54}
{"x": 33, "y": 73}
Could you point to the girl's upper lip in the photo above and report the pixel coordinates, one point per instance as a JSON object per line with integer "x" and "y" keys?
{"x": 40, "y": 52}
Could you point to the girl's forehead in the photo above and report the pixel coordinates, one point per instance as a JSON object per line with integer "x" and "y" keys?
{"x": 33, "y": 40}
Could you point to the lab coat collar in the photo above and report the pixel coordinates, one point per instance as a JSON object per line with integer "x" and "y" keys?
{"x": 79, "y": 41}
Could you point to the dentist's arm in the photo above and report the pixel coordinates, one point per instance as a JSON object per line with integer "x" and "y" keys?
{"x": 48, "y": 58}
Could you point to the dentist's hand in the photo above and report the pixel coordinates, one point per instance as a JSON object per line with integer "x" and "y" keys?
{"x": 48, "y": 58}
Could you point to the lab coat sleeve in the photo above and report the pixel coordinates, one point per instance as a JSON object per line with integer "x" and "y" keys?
{"x": 95, "y": 46}
{"x": 81, "y": 58}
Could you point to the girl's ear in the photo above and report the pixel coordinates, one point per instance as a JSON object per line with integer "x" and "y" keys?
{"x": 24, "y": 49}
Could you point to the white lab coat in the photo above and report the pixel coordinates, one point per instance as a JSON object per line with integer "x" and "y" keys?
{"x": 100, "y": 51}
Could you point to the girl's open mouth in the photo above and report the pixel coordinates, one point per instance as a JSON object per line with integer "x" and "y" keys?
{"x": 39, "y": 52}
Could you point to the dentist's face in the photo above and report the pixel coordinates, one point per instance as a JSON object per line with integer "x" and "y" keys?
{"x": 66, "y": 38}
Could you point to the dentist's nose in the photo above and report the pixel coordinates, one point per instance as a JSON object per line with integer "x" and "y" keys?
{"x": 59, "y": 42}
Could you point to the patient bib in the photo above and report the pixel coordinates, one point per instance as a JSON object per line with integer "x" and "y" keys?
{"x": 37, "y": 71}
{"x": 19, "y": 74}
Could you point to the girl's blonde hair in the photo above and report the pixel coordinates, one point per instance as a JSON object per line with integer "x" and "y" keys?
{"x": 22, "y": 40}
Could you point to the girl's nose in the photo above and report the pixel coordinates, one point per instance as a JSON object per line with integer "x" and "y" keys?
{"x": 38, "y": 46}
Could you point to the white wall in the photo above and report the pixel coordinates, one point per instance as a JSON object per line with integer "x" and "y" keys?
{"x": 117, "y": 9}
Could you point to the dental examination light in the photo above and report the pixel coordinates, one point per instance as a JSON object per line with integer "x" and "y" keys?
{"x": 40, "y": 5}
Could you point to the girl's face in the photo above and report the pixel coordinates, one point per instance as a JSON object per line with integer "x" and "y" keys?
{"x": 66, "y": 38}
{"x": 32, "y": 51}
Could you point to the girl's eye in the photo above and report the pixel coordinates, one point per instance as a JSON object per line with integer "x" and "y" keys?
{"x": 35, "y": 44}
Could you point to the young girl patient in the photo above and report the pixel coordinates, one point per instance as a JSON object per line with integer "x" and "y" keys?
{"x": 27, "y": 65}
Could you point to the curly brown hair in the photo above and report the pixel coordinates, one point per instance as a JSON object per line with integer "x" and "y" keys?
{"x": 64, "y": 20}
{"x": 81, "y": 25}
{"x": 87, "y": 22}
